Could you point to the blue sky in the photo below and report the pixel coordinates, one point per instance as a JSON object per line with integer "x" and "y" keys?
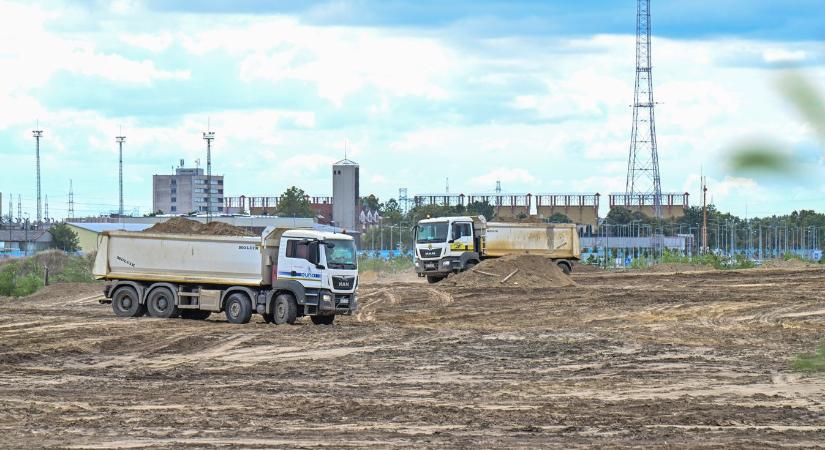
{"x": 532, "y": 93}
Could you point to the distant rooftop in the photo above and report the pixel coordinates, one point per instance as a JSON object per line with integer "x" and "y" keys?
{"x": 101, "y": 227}
{"x": 346, "y": 162}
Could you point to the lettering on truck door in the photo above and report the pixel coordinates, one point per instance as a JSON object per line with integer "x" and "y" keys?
{"x": 297, "y": 266}
{"x": 462, "y": 237}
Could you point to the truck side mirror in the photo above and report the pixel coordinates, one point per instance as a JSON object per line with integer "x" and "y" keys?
{"x": 313, "y": 254}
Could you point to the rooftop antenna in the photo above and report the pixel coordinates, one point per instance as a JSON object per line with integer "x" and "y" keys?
{"x": 71, "y": 200}
{"x": 120, "y": 139}
{"x": 38, "y": 133}
{"x": 208, "y": 136}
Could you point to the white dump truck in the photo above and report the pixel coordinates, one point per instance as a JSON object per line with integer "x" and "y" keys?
{"x": 282, "y": 275}
{"x": 448, "y": 245}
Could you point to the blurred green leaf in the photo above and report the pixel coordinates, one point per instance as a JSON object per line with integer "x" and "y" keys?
{"x": 764, "y": 158}
{"x": 803, "y": 95}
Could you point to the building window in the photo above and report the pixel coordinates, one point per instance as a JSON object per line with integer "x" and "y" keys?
{"x": 174, "y": 191}
{"x": 174, "y": 182}
{"x": 174, "y": 199}
{"x": 174, "y": 209}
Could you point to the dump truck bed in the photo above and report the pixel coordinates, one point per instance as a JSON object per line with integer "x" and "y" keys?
{"x": 183, "y": 258}
{"x": 558, "y": 241}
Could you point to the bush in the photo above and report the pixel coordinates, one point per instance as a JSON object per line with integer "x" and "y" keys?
{"x": 811, "y": 362}
{"x": 24, "y": 276}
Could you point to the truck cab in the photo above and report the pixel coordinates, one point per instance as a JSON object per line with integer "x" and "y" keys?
{"x": 447, "y": 245}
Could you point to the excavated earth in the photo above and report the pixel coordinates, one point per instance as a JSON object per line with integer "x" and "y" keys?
{"x": 695, "y": 359}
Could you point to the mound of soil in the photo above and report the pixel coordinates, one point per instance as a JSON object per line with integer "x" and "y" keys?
{"x": 182, "y": 225}
{"x": 677, "y": 267}
{"x": 529, "y": 271}
{"x": 789, "y": 264}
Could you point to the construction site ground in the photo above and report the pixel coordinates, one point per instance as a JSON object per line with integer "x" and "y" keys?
{"x": 654, "y": 359}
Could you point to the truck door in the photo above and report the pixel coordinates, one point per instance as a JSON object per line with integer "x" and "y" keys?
{"x": 297, "y": 265}
{"x": 462, "y": 237}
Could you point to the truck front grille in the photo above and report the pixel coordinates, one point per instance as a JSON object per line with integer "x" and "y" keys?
{"x": 429, "y": 252}
{"x": 343, "y": 283}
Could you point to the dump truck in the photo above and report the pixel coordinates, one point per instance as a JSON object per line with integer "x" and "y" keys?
{"x": 282, "y": 275}
{"x": 448, "y": 245}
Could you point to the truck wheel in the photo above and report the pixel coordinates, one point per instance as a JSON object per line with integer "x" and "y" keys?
{"x": 434, "y": 279}
{"x": 286, "y": 309}
{"x": 194, "y": 314}
{"x": 238, "y": 308}
{"x": 322, "y": 320}
{"x": 565, "y": 267}
{"x": 161, "y": 303}
{"x": 125, "y": 303}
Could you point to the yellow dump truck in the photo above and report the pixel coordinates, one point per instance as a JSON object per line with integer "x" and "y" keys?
{"x": 448, "y": 245}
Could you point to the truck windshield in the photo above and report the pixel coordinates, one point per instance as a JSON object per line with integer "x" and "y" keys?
{"x": 432, "y": 232}
{"x": 340, "y": 254}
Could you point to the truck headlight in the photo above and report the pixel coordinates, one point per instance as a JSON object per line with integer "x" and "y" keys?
{"x": 446, "y": 263}
{"x": 326, "y": 298}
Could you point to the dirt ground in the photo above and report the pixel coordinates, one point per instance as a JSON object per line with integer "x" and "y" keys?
{"x": 670, "y": 359}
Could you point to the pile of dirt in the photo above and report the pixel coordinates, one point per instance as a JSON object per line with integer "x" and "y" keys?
{"x": 788, "y": 264}
{"x": 677, "y": 268}
{"x": 181, "y": 225}
{"x": 529, "y": 271}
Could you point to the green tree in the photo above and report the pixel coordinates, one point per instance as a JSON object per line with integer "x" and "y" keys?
{"x": 391, "y": 212}
{"x": 64, "y": 238}
{"x": 559, "y": 218}
{"x": 294, "y": 203}
{"x": 479, "y": 208}
{"x": 371, "y": 202}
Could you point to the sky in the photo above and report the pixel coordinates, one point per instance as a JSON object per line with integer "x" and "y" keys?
{"x": 535, "y": 94}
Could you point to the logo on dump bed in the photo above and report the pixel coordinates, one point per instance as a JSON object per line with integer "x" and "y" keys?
{"x": 124, "y": 260}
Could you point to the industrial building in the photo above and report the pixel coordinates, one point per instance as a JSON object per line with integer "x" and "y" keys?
{"x": 19, "y": 242}
{"x": 345, "y": 194}
{"x": 582, "y": 209}
{"x": 87, "y": 233}
{"x": 268, "y": 206}
{"x": 672, "y": 205}
{"x": 186, "y": 192}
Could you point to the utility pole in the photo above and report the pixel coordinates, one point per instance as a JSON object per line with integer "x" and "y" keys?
{"x": 37, "y": 135}
{"x": 208, "y": 136}
{"x": 704, "y": 215}
{"x": 46, "y": 211}
{"x": 19, "y": 208}
{"x": 71, "y": 201}
{"x": 120, "y": 140}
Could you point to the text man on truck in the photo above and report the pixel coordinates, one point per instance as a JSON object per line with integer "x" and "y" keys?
{"x": 282, "y": 275}
{"x": 446, "y": 245}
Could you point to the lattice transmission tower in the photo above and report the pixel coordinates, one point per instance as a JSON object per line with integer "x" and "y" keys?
{"x": 643, "y": 180}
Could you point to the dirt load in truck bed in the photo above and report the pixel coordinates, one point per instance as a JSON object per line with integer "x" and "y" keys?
{"x": 180, "y": 225}
{"x": 527, "y": 271}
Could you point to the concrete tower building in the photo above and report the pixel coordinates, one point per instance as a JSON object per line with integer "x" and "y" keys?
{"x": 345, "y": 195}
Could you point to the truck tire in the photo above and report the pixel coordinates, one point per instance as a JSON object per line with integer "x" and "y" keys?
{"x": 322, "y": 320}
{"x": 161, "y": 303}
{"x": 285, "y": 310}
{"x": 238, "y": 308}
{"x": 565, "y": 267}
{"x": 269, "y": 317}
{"x": 432, "y": 279}
{"x": 126, "y": 303}
{"x": 194, "y": 314}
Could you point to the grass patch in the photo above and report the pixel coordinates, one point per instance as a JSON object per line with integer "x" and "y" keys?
{"x": 811, "y": 362}
{"x": 25, "y": 276}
